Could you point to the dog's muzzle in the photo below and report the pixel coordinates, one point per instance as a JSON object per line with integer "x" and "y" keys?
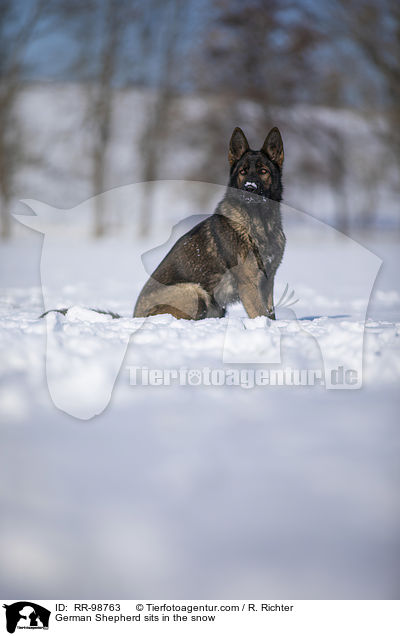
{"x": 250, "y": 186}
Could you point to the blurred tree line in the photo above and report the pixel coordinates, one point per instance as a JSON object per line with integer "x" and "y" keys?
{"x": 271, "y": 55}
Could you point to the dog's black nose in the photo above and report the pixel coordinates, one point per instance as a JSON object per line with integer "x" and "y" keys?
{"x": 250, "y": 186}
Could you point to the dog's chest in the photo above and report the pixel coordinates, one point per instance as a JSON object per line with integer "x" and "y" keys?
{"x": 268, "y": 239}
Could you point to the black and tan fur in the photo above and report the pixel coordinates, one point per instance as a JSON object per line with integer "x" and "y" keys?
{"x": 233, "y": 254}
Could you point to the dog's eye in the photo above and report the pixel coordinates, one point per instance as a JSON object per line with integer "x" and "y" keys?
{"x": 263, "y": 171}
{"x": 243, "y": 171}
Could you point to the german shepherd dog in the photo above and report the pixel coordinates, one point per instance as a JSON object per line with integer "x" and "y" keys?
{"x": 232, "y": 255}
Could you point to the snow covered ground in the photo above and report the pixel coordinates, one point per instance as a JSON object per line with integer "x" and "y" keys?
{"x": 198, "y": 491}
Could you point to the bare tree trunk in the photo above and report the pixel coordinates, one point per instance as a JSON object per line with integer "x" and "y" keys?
{"x": 336, "y": 154}
{"x": 156, "y": 131}
{"x": 5, "y": 218}
{"x": 152, "y": 144}
{"x": 342, "y": 211}
{"x": 5, "y": 183}
{"x": 99, "y": 227}
{"x": 342, "y": 222}
{"x": 103, "y": 110}
{"x": 11, "y": 54}
{"x": 362, "y": 25}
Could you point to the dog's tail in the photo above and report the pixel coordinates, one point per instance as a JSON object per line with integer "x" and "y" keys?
{"x": 99, "y": 311}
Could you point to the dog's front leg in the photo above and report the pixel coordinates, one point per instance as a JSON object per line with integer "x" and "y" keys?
{"x": 251, "y": 299}
{"x": 249, "y": 282}
{"x": 267, "y": 291}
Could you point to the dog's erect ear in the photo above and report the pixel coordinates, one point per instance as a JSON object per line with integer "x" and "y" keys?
{"x": 273, "y": 146}
{"x": 237, "y": 146}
